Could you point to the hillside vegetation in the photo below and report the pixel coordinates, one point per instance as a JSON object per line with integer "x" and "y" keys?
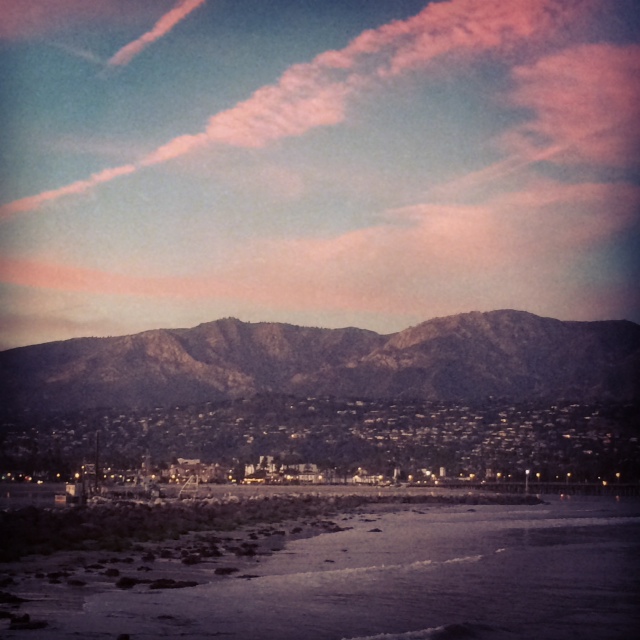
{"x": 507, "y": 354}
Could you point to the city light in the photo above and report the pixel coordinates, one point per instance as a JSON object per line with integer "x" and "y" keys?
{"x": 481, "y": 452}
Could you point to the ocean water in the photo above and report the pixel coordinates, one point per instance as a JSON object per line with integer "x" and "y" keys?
{"x": 569, "y": 569}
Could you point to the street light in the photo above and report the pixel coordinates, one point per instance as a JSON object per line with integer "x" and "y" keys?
{"x": 526, "y": 481}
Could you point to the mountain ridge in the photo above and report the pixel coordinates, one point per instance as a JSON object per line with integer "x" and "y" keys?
{"x": 504, "y": 353}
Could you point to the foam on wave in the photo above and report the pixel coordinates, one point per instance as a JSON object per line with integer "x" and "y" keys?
{"x": 418, "y": 564}
{"x": 445, "y": 632}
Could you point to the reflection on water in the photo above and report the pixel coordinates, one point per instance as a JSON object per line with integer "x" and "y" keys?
{"x": 439, "y": 573}
{"x": 16, "y": 494}
{"x": 565, "y": 569}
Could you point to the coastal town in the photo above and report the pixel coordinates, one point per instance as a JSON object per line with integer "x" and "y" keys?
{"x": 276, "y": 439}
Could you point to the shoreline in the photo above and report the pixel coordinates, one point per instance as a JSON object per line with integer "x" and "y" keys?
{"x": 203, "y": 541}
{"x": 115, "y": 525}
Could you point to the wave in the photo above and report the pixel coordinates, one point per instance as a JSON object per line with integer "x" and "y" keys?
{"x": 445, "y": 632}
{"x": 464, "y": 559}
{"x": 555, "y": 523}
{"x": 418, "y": 564}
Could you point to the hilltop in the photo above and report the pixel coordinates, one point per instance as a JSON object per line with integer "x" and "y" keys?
{"x": 507, "y": 354}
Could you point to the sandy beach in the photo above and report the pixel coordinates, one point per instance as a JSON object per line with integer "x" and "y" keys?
{"x": 38, "y": 592}
{"x": 44, "y": 596}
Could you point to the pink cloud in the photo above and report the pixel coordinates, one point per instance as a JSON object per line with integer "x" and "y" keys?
{"x": 557, "y": 221}
{"x": 317, "y": 94}
{"x": 457, "y": 26}
{"x": 512, "y": 164}
{"x": 291, "y": 108}
{"x": 584, "y": 103}
{"x": 32, "y": 203}
{"x": 542, "y": 228}
{"x": 542, "y": 193}
{"x": 255, "y": 288}
{"x": 109, "y": 174}
{"x": 167, "y": 22}
{"x": 583, "y": 109}
{"x": 70, "y": 278}
{"x": 525, "y": 243}
{"x": 175, "y": 148}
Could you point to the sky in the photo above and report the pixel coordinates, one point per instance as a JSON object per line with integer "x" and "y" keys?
{"x": 327, "y": 163}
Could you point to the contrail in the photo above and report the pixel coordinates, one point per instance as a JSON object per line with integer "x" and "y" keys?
{"x": 83, "y": 54}
{"x": 316, "y": 94}
{"x": 161, "y": 28}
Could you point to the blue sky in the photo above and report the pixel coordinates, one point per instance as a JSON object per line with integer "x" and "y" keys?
{"x": 371, "y": 163}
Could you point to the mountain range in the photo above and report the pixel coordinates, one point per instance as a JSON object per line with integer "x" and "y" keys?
{"x": 508, "y": 354}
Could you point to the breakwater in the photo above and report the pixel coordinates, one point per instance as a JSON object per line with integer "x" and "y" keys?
{"x": 116, "y": 525}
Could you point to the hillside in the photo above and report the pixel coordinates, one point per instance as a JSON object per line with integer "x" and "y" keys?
{"x": 509, "y": 354}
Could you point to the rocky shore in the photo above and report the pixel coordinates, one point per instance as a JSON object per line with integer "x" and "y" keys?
{"x": 53, "y": 558}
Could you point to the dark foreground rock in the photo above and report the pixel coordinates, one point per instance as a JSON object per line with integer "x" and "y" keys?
{"x": 169, "y": 583}
{"x": 9, "y": 598}
{"x": 118, "y": 526}
{"x": 24, "y": 622}
{"x": 221, "y": 534}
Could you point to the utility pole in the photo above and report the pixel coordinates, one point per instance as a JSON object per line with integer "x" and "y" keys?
{"x": 97, "y": 461}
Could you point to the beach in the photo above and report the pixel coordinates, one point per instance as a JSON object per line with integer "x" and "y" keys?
{"x": 393, "y": 567}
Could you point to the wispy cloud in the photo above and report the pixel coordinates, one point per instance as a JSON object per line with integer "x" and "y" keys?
{"x": 318, "y": 93}
{"x": 528, "y": 239}
{"x": 70, "y": 278}
{"x": 167, "y": 22}
{"x": 75, "y": 188}
{"x": 583, "y": 108}
{"x": 457, "y": 27}
{"x": 79, "y": 52}
{"x": 585, "y": 100}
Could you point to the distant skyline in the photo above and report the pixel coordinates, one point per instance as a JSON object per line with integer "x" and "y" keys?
{"x": 329, "y": 163}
